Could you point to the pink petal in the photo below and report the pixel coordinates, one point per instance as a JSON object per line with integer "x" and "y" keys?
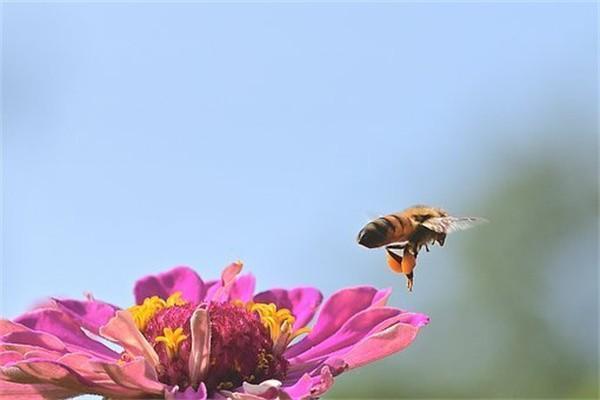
{"x": 137, "y": 375}
{"x": 354, "y": 330}
{"x": 122, "y": 330}
{"x": 30, "y": 340}
{"x": 381, "y": 297}
{"x": 230, "y": 272}
{"x": 7, "y": 326}
{"x": 243, "y": 288}
{"x": 28, "y": 350}
{"x": 46, "y": 371}
{"x": 303, "y": 302}
{"x": 20, "y": 339}
{"x": 179, "y": 279}
{"x": 415, "y": 319}
{"x": 211, "y": 288}
{"x": 60, "y": 325}
{"x": 300, "y": 389}
{"x": 242, "y": 396}
{"x": 10, "y": 390}
{"x": 91, "y": 314}
{"x": 10, "y": 357}
{"x": 134, "y": 379}
{"x": 228, "y": 279}
{"x": 337, "y": 310}
{"x": 322, "y": 383}
{"x": 268, "y": 389}
{"x": 381, "y": 344}
{"x": 84, "y": 364}
{"x": 41, "y": 372}
{"x": 124, "y": 381}
{"x": 188, "y": 394}
{"x": 200, "y": 351}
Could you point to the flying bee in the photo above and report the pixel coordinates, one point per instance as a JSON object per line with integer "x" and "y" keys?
{"x": 409, "y": 231}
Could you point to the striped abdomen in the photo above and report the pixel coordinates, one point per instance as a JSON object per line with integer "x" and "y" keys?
{"x": 385, "y": 230}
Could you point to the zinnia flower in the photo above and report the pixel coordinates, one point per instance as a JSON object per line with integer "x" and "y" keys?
{"x": 189, "y": 339}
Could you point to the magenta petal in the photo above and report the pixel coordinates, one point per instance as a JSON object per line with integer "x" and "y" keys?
{"x": 179, "y": 279}
{"x": 336, "y": 311}
{"x": 91, "y": 314}
{"x": 60, "y": 325}
{"x": 243, "y": 288}
{"x": 303, "y": 302}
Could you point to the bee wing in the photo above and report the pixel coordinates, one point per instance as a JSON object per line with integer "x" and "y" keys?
{"x": 452, "y": 224}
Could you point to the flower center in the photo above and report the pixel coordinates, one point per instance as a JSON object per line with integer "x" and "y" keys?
{"x": 144, "y": 312}
{"x": 243, "y": 346}
{"x": 279, "y": 323}
{"x": 169, "y": 332}
{"x": 241, "y": 349}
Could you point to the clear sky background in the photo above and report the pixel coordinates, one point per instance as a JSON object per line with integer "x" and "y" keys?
{"x": 140, "y": 136}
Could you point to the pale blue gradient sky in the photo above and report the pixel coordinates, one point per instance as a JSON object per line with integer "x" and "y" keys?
{"x": 142, "y": 136}
{"x": 137, "y": 137}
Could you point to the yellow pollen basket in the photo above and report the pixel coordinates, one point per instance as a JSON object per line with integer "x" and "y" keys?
{"x": 172, "y": 339}
{"x": 279, "y": 323}
{"x": 144, "y": 312}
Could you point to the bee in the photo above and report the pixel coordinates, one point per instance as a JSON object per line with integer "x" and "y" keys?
{"x": 409, "y": 231}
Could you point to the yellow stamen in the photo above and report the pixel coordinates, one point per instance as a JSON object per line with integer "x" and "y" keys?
{"x": 279, "y": 323}
{"x": 175, "y": 300}
{"x": 143, "y": 313}
{"x": 172, "y": 339}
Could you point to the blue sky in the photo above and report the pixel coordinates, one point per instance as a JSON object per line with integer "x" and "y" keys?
{"x": 137, "y": 137}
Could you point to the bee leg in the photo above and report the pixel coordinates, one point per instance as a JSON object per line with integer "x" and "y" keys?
{"x": 441, "y": 238}
{"x": 409, "y": 284}
{"x": 409, "y": 261}
{"x": 426, "y": 247}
